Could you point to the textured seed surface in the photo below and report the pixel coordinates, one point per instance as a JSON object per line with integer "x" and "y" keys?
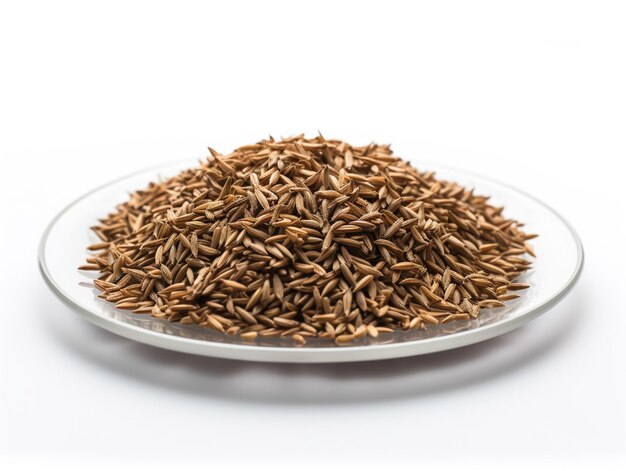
{"x": 305, "y": 238}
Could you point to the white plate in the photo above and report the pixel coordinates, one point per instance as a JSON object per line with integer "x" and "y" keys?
{"x": 555, "y": 271}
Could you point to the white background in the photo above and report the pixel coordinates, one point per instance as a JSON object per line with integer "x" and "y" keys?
{"x": 531, "y": 93}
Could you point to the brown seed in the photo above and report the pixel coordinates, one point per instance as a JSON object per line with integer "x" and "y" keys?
{"x": 127, "y": 305}
{"x": 234, "y": 285}
{"x": 429, "y": 318}
{"x": 518, "y": 286}
{"x": 404, "y": 266}
{"x": 371, "y": 331}
{"x": 213, "y": 322}
{"x": 89, "y": 267}
{"x": 363, "y": 282}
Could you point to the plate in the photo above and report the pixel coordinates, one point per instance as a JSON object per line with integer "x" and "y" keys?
{"x": 555, "y": 271}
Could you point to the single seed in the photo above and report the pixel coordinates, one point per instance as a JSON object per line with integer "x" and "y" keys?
{"x": 404, "y": 266}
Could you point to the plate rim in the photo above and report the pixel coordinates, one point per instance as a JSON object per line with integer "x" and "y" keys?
{"x": 357, "y": 353}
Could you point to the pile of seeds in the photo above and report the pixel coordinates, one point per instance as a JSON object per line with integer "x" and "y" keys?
{"x": 308, "y": 238}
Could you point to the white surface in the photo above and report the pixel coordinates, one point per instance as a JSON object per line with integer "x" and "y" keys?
{"x": 552, "y": 276}
{"x": 531, "y": 93}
